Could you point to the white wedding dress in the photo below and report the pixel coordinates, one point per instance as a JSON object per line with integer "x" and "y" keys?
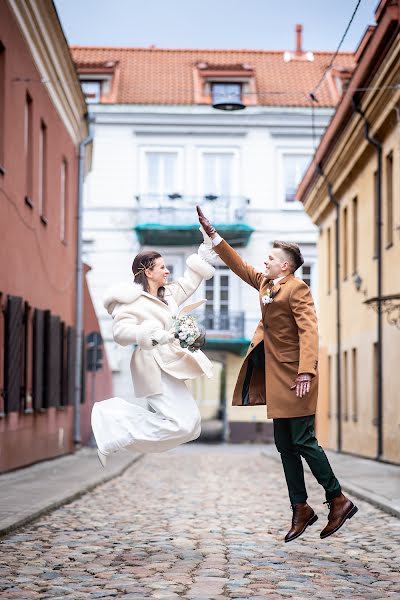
{"x": 118, "y": 424}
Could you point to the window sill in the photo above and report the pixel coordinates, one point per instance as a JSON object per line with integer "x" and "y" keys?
{"x": 29, "y": 201}
{"x": 2, "y": 170}
{"x": 44, "y": 220}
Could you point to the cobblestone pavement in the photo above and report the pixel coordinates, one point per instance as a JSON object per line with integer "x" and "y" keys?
{"x": 201, "y": 522}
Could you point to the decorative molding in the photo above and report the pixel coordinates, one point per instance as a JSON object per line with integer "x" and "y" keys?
{"x": 41, "y": 28}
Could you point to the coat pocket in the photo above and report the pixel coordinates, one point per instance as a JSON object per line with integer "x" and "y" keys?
{"x": 289, "y": 356}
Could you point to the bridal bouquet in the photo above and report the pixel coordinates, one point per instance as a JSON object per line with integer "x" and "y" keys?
{"x": 190, "y": 335}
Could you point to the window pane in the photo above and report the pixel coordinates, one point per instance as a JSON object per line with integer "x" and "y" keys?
{"x": 217, "y": 173}
{"x": 91, "y": 90}
{"x": 161, "y": 173}
{"x": 226, "y": 92}
{"x": 294, "y": 166}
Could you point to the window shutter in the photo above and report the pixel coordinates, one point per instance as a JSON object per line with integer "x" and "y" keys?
{"x": 54, "y": 397}
{"x": 71, "y": 359}
{"x": 38, "y": 359}
{"x": 63, "y": 365}
{"x": 83, "y": 369}
{"x": 14, "y": 341}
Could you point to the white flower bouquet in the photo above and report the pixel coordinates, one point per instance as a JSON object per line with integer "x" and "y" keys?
{"x": 189, "y": 334}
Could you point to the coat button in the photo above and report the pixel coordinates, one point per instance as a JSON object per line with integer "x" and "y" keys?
{"x": 252, "y": 345}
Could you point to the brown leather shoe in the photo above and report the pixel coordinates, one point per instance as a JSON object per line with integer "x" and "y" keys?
{"x": 340, "y": 509}
{"x": 303, "y": 516}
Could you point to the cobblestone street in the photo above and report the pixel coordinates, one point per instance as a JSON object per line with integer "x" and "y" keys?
{"x": 199, "y": 522}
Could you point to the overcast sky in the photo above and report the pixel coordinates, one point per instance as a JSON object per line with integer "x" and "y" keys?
{"x": 262, "y": 24}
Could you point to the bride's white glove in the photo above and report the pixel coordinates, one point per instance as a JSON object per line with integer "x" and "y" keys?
{"x": 160, "y": 336}
{"x": 205, "y": 250}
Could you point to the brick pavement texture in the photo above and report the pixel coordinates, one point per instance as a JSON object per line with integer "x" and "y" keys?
{"x": 200, "y": 522}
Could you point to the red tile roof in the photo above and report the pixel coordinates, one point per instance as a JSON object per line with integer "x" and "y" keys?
{"x": 166, "y": 76}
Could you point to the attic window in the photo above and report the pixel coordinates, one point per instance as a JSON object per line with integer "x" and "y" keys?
{"x": 233, "y": 84}
{"x": 91, "y": 90}
{"x": 227, "y": 94}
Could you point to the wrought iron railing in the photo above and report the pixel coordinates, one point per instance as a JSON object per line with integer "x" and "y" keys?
{"x": 223, "y": 325}
{"x": 176, "y": 209}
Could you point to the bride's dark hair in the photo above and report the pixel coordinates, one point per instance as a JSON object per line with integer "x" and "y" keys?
{"x": 146, "y": 261}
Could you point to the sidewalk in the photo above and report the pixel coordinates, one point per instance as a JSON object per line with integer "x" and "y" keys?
{"x": 375, "y": 482}
{"x": 27, "y": 493}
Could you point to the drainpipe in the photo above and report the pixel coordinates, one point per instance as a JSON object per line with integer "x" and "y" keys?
{"x": 79, "y": 294}
{"x": 378, "y": 226}
{"x": 333, "y": 201}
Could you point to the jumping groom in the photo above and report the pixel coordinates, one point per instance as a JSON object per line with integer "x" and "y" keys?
{"x": 281, "y": 370}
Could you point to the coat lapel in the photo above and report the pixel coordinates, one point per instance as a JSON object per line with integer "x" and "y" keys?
{"x": 156, "y": 300}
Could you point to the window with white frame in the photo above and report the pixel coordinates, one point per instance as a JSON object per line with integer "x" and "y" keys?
{"x": 294, "y": 167}
{"x": 161, "y": 173}
{"x": 217, "y": 173}
{"x": 217, "y": 296}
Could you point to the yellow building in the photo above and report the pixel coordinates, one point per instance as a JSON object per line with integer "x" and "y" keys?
{"x": 354, "y": 181}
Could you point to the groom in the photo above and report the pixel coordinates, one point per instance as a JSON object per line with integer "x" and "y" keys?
{"x": 281, "y": 366}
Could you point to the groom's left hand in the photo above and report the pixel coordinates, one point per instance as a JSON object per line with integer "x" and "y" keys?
{"x": 302, "y": 385}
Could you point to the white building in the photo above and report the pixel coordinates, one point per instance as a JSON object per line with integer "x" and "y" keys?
{"x": 160, "y": 148}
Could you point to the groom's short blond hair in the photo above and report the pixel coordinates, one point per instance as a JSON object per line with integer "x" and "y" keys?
{"x": 292, "y": 252}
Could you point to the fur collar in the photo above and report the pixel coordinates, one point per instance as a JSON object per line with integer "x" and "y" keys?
{"x": 125, "y": 292}
{"x": 122, "y": 293}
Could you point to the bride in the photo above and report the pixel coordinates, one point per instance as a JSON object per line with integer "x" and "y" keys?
{"x": 142, "y": 313}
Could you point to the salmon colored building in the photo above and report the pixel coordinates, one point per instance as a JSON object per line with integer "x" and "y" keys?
{"x": 42, "y": 126}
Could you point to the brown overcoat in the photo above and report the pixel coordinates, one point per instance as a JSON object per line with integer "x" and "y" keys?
{"x": 284, "y": 344}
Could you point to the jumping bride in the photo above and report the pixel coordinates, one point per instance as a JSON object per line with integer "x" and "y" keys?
{"x": 143, "y": 314}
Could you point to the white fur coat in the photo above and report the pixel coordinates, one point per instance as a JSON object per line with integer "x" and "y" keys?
{"x": 139, "y": 317}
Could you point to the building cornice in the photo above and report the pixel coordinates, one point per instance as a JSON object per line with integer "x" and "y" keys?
{"x": 44, "y": 36}
{"x": 151, "y": 121}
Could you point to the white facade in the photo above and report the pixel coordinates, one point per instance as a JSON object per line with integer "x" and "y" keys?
{"x": 257, "y": 154}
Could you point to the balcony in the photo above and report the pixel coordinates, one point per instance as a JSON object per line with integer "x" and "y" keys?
{"x": 225, "y": 331}
{"x": 171, "y": 220}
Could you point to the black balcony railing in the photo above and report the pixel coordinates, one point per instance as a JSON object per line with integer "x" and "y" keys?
{"x": 223, "y": 325}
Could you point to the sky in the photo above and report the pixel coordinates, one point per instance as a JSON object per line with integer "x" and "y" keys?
{"x": 253, "y": 24}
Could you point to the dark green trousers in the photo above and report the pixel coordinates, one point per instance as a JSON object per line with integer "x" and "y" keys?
{"x": 294, "y": 439}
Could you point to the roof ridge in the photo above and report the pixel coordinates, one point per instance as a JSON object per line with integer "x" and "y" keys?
{"x": 221, "y": 50}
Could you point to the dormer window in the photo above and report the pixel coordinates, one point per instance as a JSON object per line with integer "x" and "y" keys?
{"x": 227, "y": 96}
{"x": 91, "y": 90}
{"x": 99, "y": 81}
{"x": 225, "y": 86}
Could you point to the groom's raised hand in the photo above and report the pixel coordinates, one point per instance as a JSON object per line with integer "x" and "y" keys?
{"x": 205, "y": 223}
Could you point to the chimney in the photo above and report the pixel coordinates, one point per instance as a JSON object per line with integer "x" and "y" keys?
{"x": 299, "y": 40}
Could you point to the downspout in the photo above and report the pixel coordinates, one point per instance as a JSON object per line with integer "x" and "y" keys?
{"x": 333, "y": 201}
{"x": 79, "y": 294}
{"x": 378, "y": 226}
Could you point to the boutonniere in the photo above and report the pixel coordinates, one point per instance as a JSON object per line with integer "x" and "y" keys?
{"x": 269, "y": 296}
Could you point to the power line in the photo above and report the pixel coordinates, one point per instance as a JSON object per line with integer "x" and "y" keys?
{"x": 314, "y": 91}
{"x": 58, "y": 289}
